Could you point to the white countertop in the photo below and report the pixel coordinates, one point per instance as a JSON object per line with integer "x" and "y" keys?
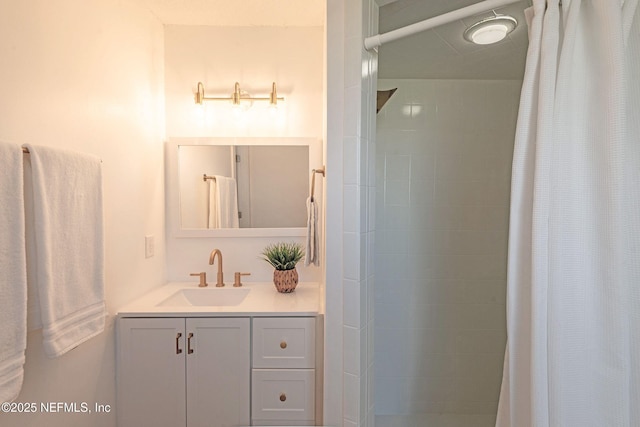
{"x": 262, "y": 300}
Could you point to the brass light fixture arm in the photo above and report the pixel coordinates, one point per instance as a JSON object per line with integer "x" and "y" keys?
{"x": 237, "y": 96}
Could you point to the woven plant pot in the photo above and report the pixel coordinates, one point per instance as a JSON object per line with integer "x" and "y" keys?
{"x": 285, "y": 280}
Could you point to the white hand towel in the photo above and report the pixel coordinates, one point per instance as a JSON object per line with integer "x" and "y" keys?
{"x": 212, "y": 218}
{"x": 13, "y": 273}
{"x": 67, "y": 203}
{"x": 227, "y": 202}
{"x": 312, "y": 255}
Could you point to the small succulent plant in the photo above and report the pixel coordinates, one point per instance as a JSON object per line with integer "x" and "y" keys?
{"x": 282, "y": 255}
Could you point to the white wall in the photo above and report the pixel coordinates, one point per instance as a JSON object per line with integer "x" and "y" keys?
{"x": 443, "y": 171}
{"x": 88, "y": 76}
{"x": 255, "y": 57}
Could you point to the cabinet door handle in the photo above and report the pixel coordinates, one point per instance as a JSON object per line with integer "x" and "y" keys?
{"x": 283, "y": 345}
{"x": 189, "y": 349}
{"x": 178, "y": 349}
{"x": 283, "y": 397}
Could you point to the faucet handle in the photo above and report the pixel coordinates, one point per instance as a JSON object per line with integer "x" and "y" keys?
{"x": 203, "y": 279}
{"x": 236, "y": 282}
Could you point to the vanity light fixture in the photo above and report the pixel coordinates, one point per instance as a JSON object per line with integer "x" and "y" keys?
{"x": 238, "y": 95}
{"x": 490, "y": 30}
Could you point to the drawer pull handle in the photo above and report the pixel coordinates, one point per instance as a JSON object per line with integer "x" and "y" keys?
{"x": 178, "y": 349}
{"x": 283, "y": 345}
{"x": 283, "y": 397}
{"x": 189, "y": 349}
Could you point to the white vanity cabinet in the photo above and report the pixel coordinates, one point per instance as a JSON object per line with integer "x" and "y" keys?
{"x": 183, "y": 372}
{"x": 283, "y": 372}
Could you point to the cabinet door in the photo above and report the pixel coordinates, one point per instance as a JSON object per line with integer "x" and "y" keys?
{"x": 218, "y": 371}
{"x": 151, "y": 372}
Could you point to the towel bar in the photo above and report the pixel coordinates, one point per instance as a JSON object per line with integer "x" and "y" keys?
{"x": 313, "y": 180}
{"x": 25, "y": 150}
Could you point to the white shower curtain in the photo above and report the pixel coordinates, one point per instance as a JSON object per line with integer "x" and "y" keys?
{"x": 573, "y": 308}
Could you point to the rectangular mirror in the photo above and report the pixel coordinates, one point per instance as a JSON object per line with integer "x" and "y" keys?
{"x": 239, "y": 186}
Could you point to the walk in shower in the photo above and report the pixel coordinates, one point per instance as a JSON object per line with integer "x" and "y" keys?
{"x": 444, "y": 150}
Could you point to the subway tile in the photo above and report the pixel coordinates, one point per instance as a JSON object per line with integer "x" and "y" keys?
{"x": 461, "y": 193}
{"x": 371, "y": 209}
{"x": 392, "y": 291}
{"x": 363, "y": 147}
{"x": 395, "y": 396}
{"x": 372, "y": 151}
{"x": 440, "y": 315}
{"x": 397, "y": 192}
{"x": 362, "y": 388}
{"x": 365, "y": 123}
{"x": 351, "y": 255}
{"x": 432, "y": 341}
{"x": 351, "y": 208}
{"x": 351, "y": 350}
{"x": 353, "y": 61}
{"x": 351, "y": 161}
{"x": 389, "y": 340}
{"x": 480, "y": 341}
{"x": 480, "y": 387}
{"x": 394, "y": 241}
{"x": 396, "y": 217}
{"x": 352, "y": 116}
{"x": 353, "y": 14}
{"x": 371, "y": 303}
{"x": 370, "y": 349}
{"x": 351, "y": 397}
{"x": 351, "y": 300}
{"x": 364, "y": 350}
{"x": 430, "y": 389}
{"x": 398, "y": 167}
{"x": 392, "y": 316}
{"x": 421, "y": 217}
{"x": 422, "y": 168}
{"x": 479, "y": 365}
{"x": 371, "y": 253}
{"x": 483, "y": 316}
{"x": 421, "y": 267}
{"x": 364, "y": 245}
{"x": 473, "y": 413}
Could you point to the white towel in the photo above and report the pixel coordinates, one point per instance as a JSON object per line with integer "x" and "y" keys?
{"x": 312, "y": 255}
{"x": 228, "y": 202}
{"x": 67, "y": 203}
{"x": 212, "y": 219}
{"x": 13, "y": 273}
{"x": 223, "y": 203}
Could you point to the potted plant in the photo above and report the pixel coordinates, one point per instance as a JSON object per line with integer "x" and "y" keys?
{"x": 284, "y": 257}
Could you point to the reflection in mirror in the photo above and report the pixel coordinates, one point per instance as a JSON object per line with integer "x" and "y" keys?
{"x": 251, "y": 186}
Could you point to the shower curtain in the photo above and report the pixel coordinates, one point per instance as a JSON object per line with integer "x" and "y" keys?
{"x": 573, "y": 307}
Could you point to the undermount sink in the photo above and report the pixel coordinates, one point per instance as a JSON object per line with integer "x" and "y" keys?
{"x": 206, "y": 297}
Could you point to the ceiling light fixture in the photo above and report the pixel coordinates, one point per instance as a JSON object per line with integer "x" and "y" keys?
{"x": 490, "y": 30}
{"x": 237, "y": 96}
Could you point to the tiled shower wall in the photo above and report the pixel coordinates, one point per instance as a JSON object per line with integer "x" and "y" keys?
{"x": 444, "y": 150}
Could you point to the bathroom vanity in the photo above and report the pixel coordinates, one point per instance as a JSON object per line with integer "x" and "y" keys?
{"x": 190, "y": 356}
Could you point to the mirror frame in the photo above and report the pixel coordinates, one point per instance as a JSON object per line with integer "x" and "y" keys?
{"x": 173, "y": 194}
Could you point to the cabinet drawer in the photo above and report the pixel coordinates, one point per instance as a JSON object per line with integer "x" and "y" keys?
{"x": 283, "y": 394}
{"x": 284, "y": 342}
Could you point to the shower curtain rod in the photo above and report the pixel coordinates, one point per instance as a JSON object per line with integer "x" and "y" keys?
{"x": 373, "y": 42}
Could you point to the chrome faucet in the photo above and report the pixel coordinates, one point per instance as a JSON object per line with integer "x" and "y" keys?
{"x": 212, "y": 258}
